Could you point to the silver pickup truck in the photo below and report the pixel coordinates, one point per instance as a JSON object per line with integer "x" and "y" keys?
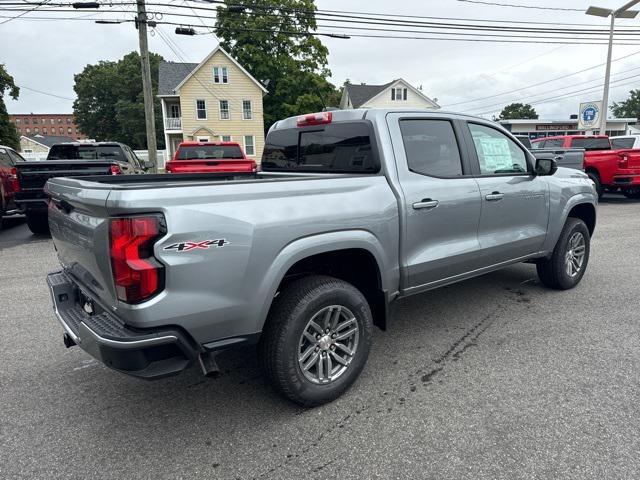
{"x": 352, "y": 211}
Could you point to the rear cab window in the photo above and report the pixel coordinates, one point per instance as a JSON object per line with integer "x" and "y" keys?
{"x": 620, "y": 143}
{"x": 86, "y": 152}
{"x": 591, "y": 143}
{"x": 340, "y": 147}
{"x": 210, "y": 152}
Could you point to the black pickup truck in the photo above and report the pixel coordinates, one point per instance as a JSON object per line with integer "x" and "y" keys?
{"x": 70, "y": 160}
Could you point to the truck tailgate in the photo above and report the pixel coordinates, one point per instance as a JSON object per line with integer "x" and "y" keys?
{"x": 207, "y": 166}
{"x": 32, "y": 176}
{"x": 79, "y": 225}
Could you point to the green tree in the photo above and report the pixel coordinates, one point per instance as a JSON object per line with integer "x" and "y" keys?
{"x": 272, "y": 40}
{"x": 8, "y": 133}
{"x": 516, "y": 111}
{"x": 630, "y": 108}
{"x": 110, "y": 104}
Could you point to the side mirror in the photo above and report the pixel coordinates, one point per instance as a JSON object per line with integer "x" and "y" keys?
{"x": 546, "y": 166}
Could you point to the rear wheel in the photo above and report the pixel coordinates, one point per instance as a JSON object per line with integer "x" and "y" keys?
{"x": 38, "y": 223}
{"x": 595, "y": 178}
{"x": 570, "y": 257}
{"x": 316, "y": 340}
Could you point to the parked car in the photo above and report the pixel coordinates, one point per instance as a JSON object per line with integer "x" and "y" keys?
{"x": 207, "y": 157}
{"x": 608, "y": 168}
{"x": 70, "y": 160}
{"x": 354, "y": 210}
{"x": 625, "y": 142}
{"x": 9, "y": 158}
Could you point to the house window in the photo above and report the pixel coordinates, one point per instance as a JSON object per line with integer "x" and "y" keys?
{"x": 174, "y": 111}
{"x": 59, "y": 120}
{"x": 28, "y": 130}
{"x": 27, "y": 150}
{"x": 203, "y": 139}
{"x": 69, "y": 130}
{"x": 17, "y": 121}
{"x": 398, "y": 94}
{"x": 220, "y": 75}
{"x": 36, "y": 130}
{"x": 61, "y": 130}
{"x": 201, "y": 109}
{"x": 43, "y": 121}
{"x": 35, "y": 121}
{"x": 249, "y": 145}
{"x": 247, "y": 114}
{"x": 226, "y": 138}
{"x": 44, "y": 131}
{"x": 68, "y": 121}
{"x": 52, "y": 121}
{"x": 224, "y": 110}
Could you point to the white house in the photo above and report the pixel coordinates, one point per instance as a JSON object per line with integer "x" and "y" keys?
{"x": 397, "y": 93}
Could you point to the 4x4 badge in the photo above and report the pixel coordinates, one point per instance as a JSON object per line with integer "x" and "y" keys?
{"x": 186, "y": 246}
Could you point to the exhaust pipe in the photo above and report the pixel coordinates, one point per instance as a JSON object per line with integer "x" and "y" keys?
{"x": 208, "y": 364}
{"x": 68, "y": 341}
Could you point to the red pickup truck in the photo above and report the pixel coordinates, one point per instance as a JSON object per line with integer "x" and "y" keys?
{"x": 9, "y": 158}
{"x": 608, "y": 168}
{"x": 208, "y": 157}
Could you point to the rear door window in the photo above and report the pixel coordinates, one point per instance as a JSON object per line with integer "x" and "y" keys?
{"x": 591, "y": 143}
{"x": 431, "y": 147}
{"x": 619, "y": 143}
{"x": 334, "y": 148}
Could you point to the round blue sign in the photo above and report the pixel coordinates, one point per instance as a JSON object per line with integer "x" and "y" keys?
{"x": 590, "y": 114}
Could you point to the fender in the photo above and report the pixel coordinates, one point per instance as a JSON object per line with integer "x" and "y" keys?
{"x": 556, "y": 225}
{"x": 304, "y": 247}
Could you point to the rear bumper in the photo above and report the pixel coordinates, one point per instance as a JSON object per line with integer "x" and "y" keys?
{"x": 148, "y": 354}
{"x": 32, "y": 201}
{"x": 626, "y": 180}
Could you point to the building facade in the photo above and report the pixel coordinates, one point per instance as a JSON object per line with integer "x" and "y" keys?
{"x": 216, "y": 100}
{"x": 55, "y": 124}
{"x": 395, "y": 94}
{"x": 550, "y": 128}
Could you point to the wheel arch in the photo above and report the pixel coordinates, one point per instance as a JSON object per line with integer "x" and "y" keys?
{"x": 354, "y": 256}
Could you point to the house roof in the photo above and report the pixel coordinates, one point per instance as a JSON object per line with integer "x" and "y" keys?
{"x": 48, "y": 140}
{"x": 171, "y": 74}
{"x": 359, "y": 94}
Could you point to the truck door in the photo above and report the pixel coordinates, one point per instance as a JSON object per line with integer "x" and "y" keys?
{"x": 515, "y": 202}
{"x": 440, "y": 197}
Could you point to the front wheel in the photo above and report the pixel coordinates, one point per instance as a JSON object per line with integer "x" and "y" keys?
{"x": 566, "y": 266}
{"x": 316, "y": 340}
{"x": 38, "y": 223}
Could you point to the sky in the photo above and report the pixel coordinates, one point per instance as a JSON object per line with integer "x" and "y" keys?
{"x": 45, "y": 55}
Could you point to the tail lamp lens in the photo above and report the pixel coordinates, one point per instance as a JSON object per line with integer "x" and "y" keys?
{"x": 116, "y": 170}
{"x": 136, "y": 273}
{"x": 13, "y": 179}
{"x": 624, "y": 160}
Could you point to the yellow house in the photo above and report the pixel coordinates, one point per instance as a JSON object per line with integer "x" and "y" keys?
{"x": 216, "y": 100}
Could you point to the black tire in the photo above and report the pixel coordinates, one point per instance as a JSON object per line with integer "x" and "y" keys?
{"x": 281, "y": 339}
{"x": 38, "y": 223}
{"x": 595, "y": 178}
{"x": 553, "y": 271}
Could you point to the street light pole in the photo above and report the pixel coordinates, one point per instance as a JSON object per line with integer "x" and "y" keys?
{"x": 622, "y": 12}
{"x": 607, "y": 77}
{"x": 147, "y": 91}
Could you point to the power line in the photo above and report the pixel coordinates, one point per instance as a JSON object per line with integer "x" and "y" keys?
{"x": 23, "y": 14}
{"x": 45, "y": 93}
{"x": 542, "y": 83}
{"x": 495, "y": 4}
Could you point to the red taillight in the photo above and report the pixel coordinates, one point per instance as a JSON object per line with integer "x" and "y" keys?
{"x": 136, "y": 273}
{"x": 167, "y": 168}
{"x": 115, "y": 170}
{"x": 320, "y": 118}
{"x": 623, "y": 162}
{"x": 13, "y": 180}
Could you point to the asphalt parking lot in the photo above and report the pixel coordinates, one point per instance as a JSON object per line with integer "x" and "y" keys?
{"x": 493, "y": 378}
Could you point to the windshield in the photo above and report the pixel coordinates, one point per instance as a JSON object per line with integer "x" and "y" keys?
{"x": 86, "y": 152}
{"x": 210, "y": 152}
{"x": 591, "y": 143}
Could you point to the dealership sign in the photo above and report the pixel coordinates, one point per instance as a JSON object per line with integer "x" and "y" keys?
{"x": 589, "y": 116}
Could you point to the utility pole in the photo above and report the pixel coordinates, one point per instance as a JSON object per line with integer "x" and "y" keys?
{"x": 149, "y": 116}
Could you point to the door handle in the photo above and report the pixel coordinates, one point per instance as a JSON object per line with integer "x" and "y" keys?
{"x": 494, "y": 196}
{"x": 425, "y": 203}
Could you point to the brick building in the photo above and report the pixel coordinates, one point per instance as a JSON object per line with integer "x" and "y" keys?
{"x": 46, "y": 124}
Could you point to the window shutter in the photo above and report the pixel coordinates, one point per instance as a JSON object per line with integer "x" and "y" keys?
{"x": 404, "y": 94}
